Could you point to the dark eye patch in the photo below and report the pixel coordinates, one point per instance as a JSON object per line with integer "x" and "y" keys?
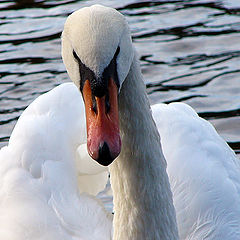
{"x": 98, "y": 85}
{"x": 117, "y": 52}
{"x": 111, "y": 69}
{"x": 76, "y": 56}
{"x": 85, "y": 72}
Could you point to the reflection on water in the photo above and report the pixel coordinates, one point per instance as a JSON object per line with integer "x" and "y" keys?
{"x": 189, "y": 52}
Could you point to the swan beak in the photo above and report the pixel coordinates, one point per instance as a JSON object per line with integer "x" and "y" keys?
{"x": 103, "y": 137}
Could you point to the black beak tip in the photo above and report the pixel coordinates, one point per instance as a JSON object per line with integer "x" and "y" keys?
{"x": 104, "y": 156}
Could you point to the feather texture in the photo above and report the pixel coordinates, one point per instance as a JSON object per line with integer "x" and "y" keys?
{"x": 46, "y": 168}
{"x": 204, "y": 174}
{"x": 42, "y": 172}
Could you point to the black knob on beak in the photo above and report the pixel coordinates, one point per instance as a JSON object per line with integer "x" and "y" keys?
{"x": 104, "y": 156}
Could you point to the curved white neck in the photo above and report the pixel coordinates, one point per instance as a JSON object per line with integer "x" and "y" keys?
{"x": 142, "y": 197}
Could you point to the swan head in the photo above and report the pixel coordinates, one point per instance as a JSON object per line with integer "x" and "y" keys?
{"x": 97, "y": 52}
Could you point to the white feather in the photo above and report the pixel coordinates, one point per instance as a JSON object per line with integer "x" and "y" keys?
{"x": 40, "y": 187}
{"x": 45, "y": 167}
{"x": 204, "y": 174}
{"x": 95, "y": 33}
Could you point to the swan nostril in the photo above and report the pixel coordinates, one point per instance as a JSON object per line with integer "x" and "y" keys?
{"x": 107, "y": 103}
{"x": 104, "y": 156}
{"x": 94, "y": 104}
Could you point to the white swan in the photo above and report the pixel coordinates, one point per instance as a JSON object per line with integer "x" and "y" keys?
{"x": 43, "y": 167}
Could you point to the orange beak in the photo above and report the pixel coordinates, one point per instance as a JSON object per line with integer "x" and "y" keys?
{"x": 103, "y": 137}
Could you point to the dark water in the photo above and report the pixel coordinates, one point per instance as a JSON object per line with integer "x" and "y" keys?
{"x": 189, "y": 51}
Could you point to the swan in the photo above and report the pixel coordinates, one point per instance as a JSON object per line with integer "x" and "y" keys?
{"x": 47, "y": 171}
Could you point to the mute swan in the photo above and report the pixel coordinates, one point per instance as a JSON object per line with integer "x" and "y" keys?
{"x": 46, "y": 164}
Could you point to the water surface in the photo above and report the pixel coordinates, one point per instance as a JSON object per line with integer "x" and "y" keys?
{"x": 189, "y": 52}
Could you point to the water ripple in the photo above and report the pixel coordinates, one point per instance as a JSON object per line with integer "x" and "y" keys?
{"x": 188, "y": 50}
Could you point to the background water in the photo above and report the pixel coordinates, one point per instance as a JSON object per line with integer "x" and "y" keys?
{"x": 189, "y": 52}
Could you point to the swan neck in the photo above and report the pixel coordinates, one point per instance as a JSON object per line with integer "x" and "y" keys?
{"x": 142, "y": 198}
